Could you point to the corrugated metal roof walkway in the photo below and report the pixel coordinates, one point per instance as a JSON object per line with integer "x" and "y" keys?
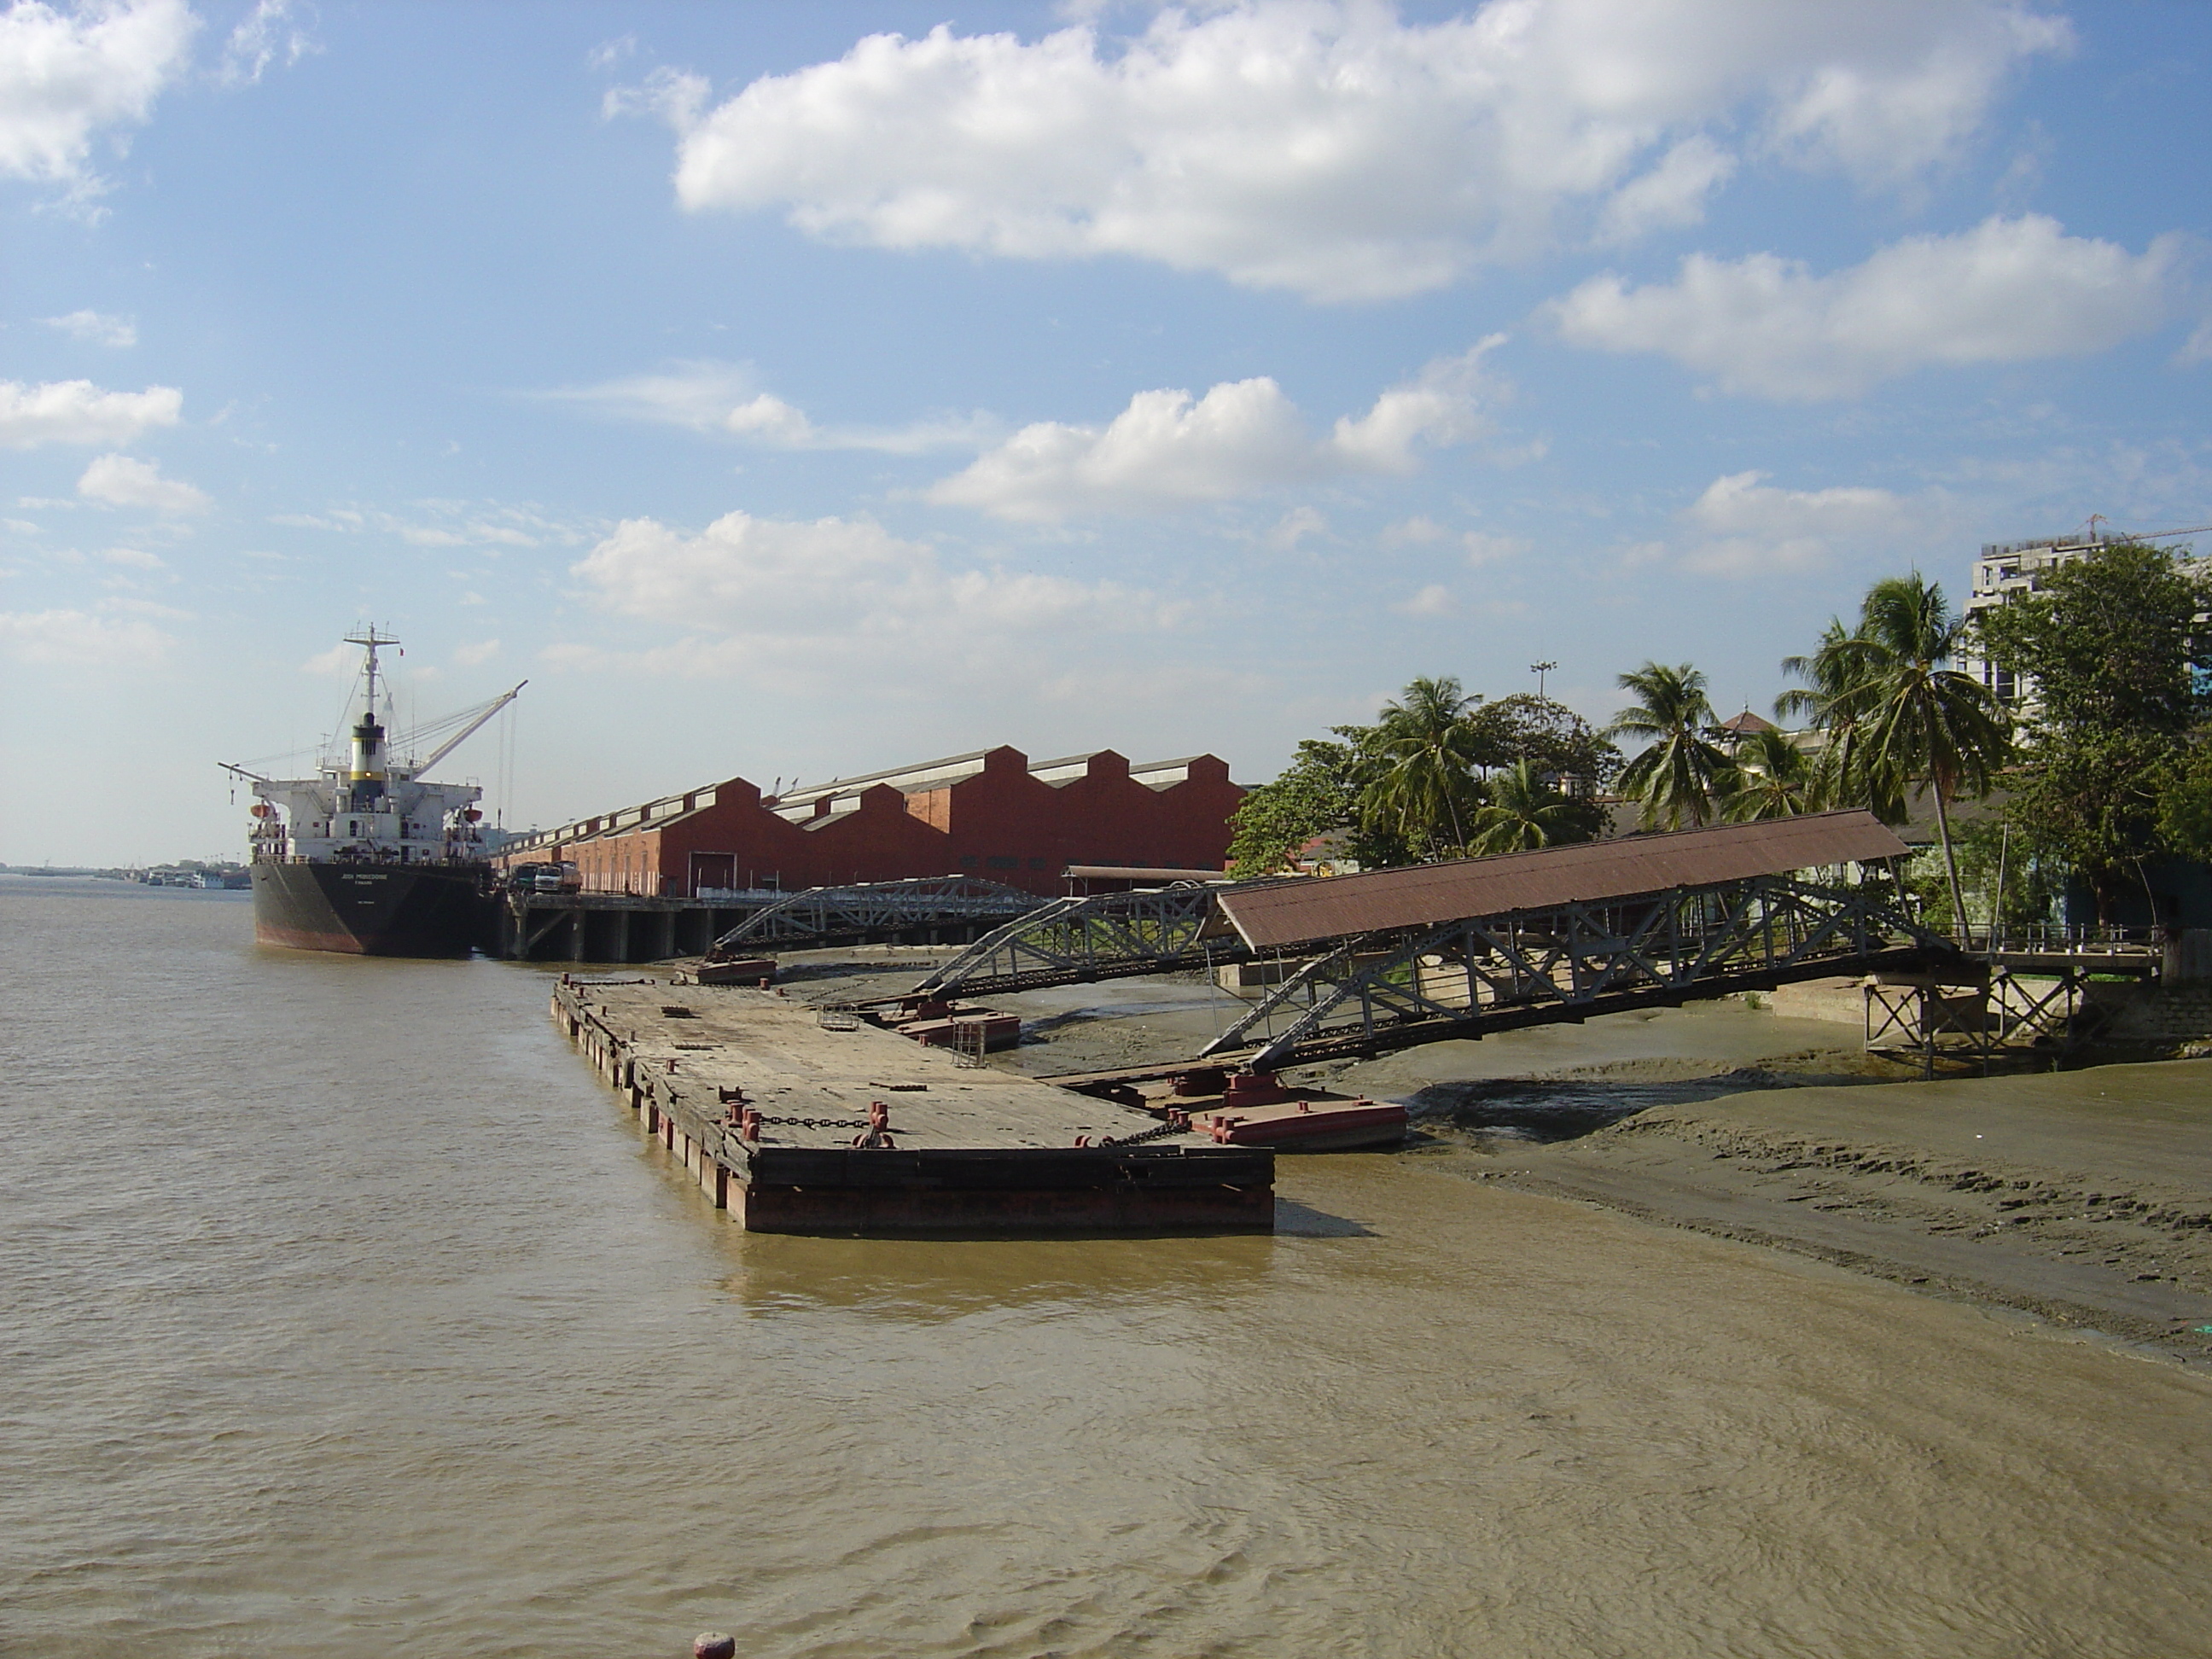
{"x": 1391, "y": 958}
{"x": 1395, "y": 957}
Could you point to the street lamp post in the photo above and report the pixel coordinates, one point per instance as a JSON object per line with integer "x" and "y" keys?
{"x": 1540, "y": 669}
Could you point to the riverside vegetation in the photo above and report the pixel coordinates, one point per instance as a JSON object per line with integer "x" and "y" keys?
{"x": 2107, "y": 764}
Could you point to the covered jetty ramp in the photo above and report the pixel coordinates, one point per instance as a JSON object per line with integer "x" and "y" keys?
{"x": 1392, "y": 958}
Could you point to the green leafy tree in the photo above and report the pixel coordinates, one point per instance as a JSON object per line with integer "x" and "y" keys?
{"x": 2090, "y": 800}
{"x": 1550, "y": 736}
{"x": 1772, "y": 778}
{"x": 1319, "y": 792}
{"x": 1411, "y": 786}
{"x": 1525, "y": 812}
{"x": 1423, "y": 787}
{"x": 2114, "y": 654}
{"x": 2185, "y": 800}
{"x": 1681, "y": 772}
{"x": 2111, "y": 640}
{"x": 2001, "y": 877}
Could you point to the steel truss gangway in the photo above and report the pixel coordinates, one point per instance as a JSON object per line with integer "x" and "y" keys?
{"x": 1922, "y": 1018}
{"x": 1075, "y": 941}
{"x": 879, "y": 911}
{"x": 1394, "y": 958}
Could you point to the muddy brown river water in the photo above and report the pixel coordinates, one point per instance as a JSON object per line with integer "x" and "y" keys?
{"x": 345, "y": 1314}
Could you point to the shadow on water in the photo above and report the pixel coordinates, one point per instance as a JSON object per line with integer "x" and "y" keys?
{"x": 1545, "y": 1109}
{"x": 930, "y": 1279}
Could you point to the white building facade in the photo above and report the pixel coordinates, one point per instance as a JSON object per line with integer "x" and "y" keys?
{"x": 2009, "y": 570}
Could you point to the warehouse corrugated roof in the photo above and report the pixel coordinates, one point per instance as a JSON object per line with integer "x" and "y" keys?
{"x": 1336, "y": 907}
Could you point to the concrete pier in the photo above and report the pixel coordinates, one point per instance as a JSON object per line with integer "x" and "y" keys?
{"x": 797, "y": 1122}
{"x": 625, "y": 927}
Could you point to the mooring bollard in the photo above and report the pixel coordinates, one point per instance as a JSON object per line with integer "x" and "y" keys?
{"x": 713, "y": 1644}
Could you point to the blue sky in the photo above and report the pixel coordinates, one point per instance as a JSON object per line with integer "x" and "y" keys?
{"x": 799, "y": 390}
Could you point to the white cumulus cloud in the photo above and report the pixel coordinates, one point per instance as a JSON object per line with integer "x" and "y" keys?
{"x": 1752, "y": 527}
{"x": 2007, "y": 291}
{"x": 79, "y": 412}
{"x": 1168, "y": 449}
{"x": 1293, "y": 527}
{"x": 832, "y": 593}
{"x": 725, "y": 399}
{"x": 269, "y": 32}
{"x": 1672, "y": 194}
{"x": 121, "y": 481}
{"x": 67, "y": 74}
{"x": 1333, "y": 149}
{"x": 1434, "y": 601}
{"x": 94, "y": 638}
{"x": 96, "y": 327}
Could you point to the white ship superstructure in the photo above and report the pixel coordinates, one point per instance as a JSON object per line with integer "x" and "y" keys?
{"x": 368, "y": 856}
{"x": 365, "y": 807}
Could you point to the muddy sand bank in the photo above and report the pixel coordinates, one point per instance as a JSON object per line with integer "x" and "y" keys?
{"x": 2081, "y": 1197}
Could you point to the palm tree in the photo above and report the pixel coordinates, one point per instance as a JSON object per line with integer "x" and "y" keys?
{"x": 1525, "y": 812}
{"x": 1427, "y": 753}
{"x": 1884, "y": 697}
{"x": 1680, "y": 773}
{"x": 1835, "y": 699}
{"x": 1926, "y": 724}
{"x": 1773, "y": 779}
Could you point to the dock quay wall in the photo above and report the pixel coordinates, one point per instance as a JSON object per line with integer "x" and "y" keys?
{"x": 624, "y": 928}
{"x": 958, "y": 1191}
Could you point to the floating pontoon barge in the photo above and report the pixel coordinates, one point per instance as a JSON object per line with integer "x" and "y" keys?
{"x": 799, "y": 1121}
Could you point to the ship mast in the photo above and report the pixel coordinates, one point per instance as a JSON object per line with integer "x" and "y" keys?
{"x": 369, "y": 639}
{"x": 370, "y": 773}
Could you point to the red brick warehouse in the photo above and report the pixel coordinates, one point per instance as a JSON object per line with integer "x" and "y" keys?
{"x": 989, "y": 813}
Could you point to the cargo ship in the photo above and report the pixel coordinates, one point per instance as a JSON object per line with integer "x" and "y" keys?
{"x": 367, "y": 857}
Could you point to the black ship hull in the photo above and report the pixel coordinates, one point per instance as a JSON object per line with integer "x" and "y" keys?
{"x": 369, "y": 909}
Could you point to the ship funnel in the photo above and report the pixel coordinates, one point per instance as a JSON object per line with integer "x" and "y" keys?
{"x": 368, "y": 750}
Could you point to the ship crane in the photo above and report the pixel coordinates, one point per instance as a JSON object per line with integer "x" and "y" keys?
{"x": 475, "y": 720}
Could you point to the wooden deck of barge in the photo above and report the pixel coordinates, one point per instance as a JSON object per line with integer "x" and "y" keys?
{"x": 973, "y": 1151}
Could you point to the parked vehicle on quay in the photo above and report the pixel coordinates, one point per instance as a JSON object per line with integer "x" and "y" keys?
{"x": 544, "y": 879}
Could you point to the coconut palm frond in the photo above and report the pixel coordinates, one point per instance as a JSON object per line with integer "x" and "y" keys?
{"x": 1678, "y": 776}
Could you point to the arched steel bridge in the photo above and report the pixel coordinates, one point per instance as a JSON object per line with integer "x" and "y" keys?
{"x": 875, "y": 910}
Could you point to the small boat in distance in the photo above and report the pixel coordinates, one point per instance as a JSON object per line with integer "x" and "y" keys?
{"x": 367, "y": 858}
